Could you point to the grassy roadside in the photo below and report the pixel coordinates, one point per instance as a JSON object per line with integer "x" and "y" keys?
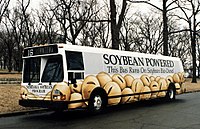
{"x": 11, "y": 75}
{"x": 9, "y": 96}
{"x": 10, "y": 93}
{"x": 192, "y": 87}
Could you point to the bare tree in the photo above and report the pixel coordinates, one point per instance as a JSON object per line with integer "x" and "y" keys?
{"x": 72, "y": 16}
{"x": 14, "y": 21}
{"x": 166, "y": 8}
{"x": 198, "y": 55}
{"x": 103, "y": 26}
{"x": 31, "y": 29}
{"x": 3, "y": 52}
{"x": 96, "y": 34}
{"x": 97, "y": 30}
{"x": 145, "y": 34}
{"x": 193, "y": 6}
{"x": 46, "y": 19}
{"x": 3, "y": 7}
{"x": 125, "y": 33}
{"x": 26, "y": 18}
{"x": 180, "y": 46}
{"x": 7, "y": 39}
{"x": 15, "y": 35}
{"x": 116, "y": 25}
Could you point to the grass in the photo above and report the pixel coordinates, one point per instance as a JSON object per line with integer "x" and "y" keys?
{"x": 13, "y": 74}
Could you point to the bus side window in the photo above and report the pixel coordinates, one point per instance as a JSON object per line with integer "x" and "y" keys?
{"x": 74, "y": 60}
{"x": 77, "y": 75}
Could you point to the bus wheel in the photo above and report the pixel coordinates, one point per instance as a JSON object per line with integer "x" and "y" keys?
{"x": 171, "y": 93}
{"x": 98, "y": 101}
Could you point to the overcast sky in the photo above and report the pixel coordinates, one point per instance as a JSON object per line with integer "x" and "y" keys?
{"x": 137, "y": 6}
{"x": 33, "y": 4}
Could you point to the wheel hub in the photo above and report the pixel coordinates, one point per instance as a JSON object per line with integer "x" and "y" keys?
{"x": 97, "y": 102}
{"x": 171, "y": 94}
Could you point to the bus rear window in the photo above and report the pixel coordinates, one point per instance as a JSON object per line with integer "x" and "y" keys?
{"x": 74, "y": 60}
{"x": 53, "y": 71}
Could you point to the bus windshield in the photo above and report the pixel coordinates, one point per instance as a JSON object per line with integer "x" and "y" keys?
{"x": 32, "y": 70}
{"x": 53, "y": 71}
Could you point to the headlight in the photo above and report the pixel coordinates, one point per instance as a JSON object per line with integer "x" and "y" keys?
{"x": 23, "y": 96}
{"x": 23, "y": 92}
{"x": 57, "y": 95}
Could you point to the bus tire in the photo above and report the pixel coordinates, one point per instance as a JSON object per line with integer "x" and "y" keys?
{"x": 171, "y": 93}
{"x": 98, "y": 101}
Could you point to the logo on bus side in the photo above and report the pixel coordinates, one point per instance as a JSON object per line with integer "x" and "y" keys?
{"x": 129, "y": 64}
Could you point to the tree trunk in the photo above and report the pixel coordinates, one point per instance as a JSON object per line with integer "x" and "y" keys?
{"x": 193, "y": 44}
{"x": 114, "y": 34}
{"x": 115, "y": 27}
{"x": 10, "y": 63}
{"x": 199, "y": 70}
{"x": 4, "y": 63}
{"x": 165, "y": 29}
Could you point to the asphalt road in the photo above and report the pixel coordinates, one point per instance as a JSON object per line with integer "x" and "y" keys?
{"x": 183, "y": 113}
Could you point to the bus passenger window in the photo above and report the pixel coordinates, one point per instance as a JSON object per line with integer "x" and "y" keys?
{"x": 72, "y": 75}
{"x": 74, "y": 60}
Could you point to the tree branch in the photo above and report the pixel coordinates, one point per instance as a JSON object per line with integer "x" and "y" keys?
{"x": 146, "y": 2}
{"x": 3, "y": 7}
{"x": 87, "y": 20}
{"x": 178, "y": 31}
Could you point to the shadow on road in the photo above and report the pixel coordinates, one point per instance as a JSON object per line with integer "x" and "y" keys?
{"x": 81, "y": 114}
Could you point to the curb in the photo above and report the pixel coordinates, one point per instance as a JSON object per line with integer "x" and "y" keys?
{"x": 18, "y": 113}
{"x": 187, "y": 92}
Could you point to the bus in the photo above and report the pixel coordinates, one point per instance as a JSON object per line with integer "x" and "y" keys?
{"x": 64, "y": 77}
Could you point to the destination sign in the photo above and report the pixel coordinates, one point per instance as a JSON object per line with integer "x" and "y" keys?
{"x": 41, "y": 50}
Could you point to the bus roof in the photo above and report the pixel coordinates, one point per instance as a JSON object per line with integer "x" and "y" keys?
{"x": 56, "y": 47}
{"x": 112, "y": 51}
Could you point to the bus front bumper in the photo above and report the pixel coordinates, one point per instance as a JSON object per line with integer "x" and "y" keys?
{"x": 44, "y": 104}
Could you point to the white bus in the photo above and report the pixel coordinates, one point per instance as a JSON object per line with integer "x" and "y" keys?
{"x": 62, "y": 76}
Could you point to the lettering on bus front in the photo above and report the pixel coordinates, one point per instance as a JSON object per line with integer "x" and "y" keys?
{"x": 41, "y": 50}
{"x": 40, "y": 90}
